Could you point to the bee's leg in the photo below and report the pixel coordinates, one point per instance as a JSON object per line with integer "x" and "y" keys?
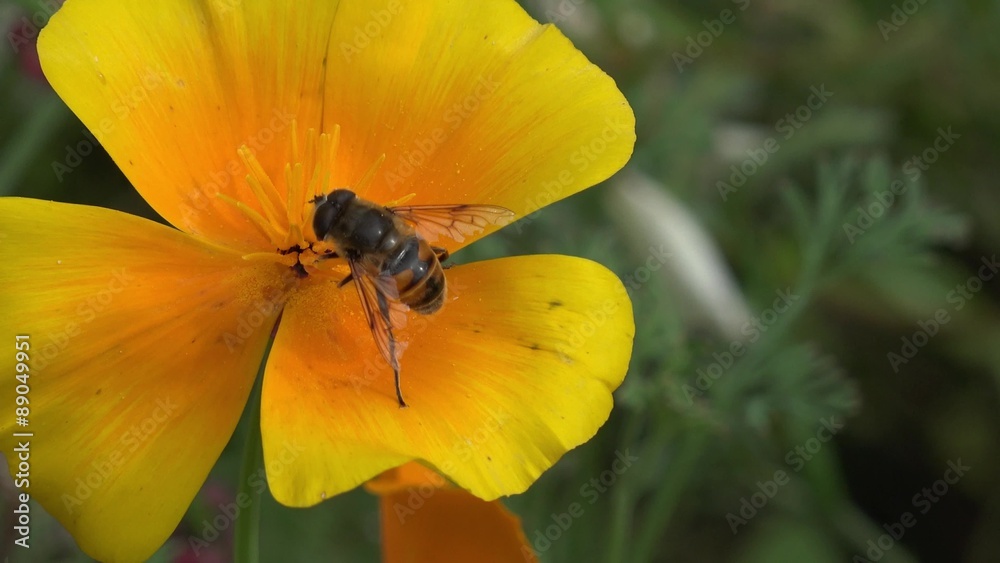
{"x": 327, "y": 256}
{"x": 442, "y": 255}
{"x": 345, "y": 281}
{"x": 399, "y": 392}
{"x": 383, "y": 308}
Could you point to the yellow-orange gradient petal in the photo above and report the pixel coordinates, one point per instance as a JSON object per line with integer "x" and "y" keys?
{"x": 516, "y": 369}
{"x": 424, "y": 520}
{"x": 173, "y": 88}
{"x": 471, "y": 102}
{"x": 143, "y": 348}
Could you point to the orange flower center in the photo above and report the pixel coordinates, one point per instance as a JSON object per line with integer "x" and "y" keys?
{"x": 286, "y": 219}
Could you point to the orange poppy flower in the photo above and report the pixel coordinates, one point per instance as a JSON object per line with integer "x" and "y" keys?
{"x": 228, "y": 117}
{"x": 425, "y": 519}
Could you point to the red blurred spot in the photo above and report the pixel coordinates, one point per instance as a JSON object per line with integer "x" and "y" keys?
{"x": 22, "y": 36}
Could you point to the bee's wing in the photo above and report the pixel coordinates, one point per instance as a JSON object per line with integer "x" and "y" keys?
{"x": 452, "y": 221}
{"x": 383, "y": 310}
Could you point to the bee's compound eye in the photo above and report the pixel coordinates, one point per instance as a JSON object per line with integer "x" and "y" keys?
{"x": 340, "y": 197}
{"x": 329, "y": 210}
{"x": 324, "y": 218}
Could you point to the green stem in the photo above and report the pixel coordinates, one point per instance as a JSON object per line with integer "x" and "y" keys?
{"x": 622, "y": 499}
{"x": 246, "y": 543}
{"x": 621, "y": 522}
{"x": 668, "y": 495}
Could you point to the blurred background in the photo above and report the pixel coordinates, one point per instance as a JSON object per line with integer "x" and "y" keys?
{"x": 808, "y": 232}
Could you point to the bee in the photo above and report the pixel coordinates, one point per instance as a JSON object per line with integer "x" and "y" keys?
{"x": 391, "y": 260}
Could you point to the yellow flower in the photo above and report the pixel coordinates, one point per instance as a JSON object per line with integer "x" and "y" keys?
{"x": 228, "y": 117}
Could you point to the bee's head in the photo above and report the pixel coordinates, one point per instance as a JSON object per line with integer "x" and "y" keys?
{"x": 329, "y": 208}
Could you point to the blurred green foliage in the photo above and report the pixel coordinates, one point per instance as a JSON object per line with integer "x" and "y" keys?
{"x": 706, "y": 88}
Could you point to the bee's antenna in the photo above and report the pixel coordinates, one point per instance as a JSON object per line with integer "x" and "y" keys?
{"x": 399, "y": 392}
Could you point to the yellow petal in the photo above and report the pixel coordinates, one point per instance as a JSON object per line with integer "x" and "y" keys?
{"x": 143, "y": 348}
{"x": 471, "y": 102}
{"x": 424, "y": 521}
{"x": 468, "y": 102}
{"x": 173, "y": 88}
{"x": 516, "y": 369}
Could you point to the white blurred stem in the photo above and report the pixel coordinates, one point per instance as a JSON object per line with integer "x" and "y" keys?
{"x": 694, "y": 269}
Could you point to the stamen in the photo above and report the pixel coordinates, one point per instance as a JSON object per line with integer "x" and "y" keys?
{"x": 329, "y": 144}
{"x": 285, "y": 219}
{"x": 261, "y": 185}
{"x": 320, "y": 150}
{"x": 261, "y": 223}
{"x": 293, "y": 178}
{"x": 366, "y": 180}
{"x": 295, "y": 141}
